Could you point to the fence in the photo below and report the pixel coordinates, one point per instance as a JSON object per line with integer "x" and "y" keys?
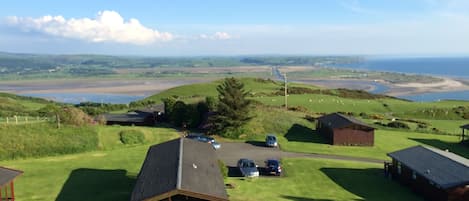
{"x": 14, "y": 120}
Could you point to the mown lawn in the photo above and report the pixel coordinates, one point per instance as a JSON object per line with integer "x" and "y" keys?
{"x": 385, "y": 141}
{"x": 98, "y": 175}
{"x": 324, "y": 180}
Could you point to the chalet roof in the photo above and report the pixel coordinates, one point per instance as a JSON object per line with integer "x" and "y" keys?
{"x": 444, "y": 168}
{"x": 152, "y": 108}
{"x": 180, "y": 165}
{"x": 337, "y": 120}
{"x": 129, "y": 117}
{"x": 7, "y": 175}
{"x": 465, "y": 126}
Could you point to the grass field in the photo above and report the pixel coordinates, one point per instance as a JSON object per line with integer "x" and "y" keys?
{"x": 324, "y": 180}
{"x": 97, "y": 175}
{"x": 110, "y": 176}
{"x": 385, "y": 141}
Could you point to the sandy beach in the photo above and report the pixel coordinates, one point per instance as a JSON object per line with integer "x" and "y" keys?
{"x": 446, "y": 85}
{"x": 144, "y": 87}
{"x": 147, "y": 87}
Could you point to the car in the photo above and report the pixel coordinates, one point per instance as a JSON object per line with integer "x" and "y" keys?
{"x": 248, "y": 168}
{"x": 272, "y": 166}
{"x": 271, "y": 141}
{"x": 206, "y": 139}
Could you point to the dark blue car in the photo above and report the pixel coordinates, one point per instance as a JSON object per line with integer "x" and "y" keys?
{"x": 273, "y": 166}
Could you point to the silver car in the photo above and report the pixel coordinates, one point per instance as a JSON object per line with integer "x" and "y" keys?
{"x": 271, "y": 141}
{"x": 248, "y": 168}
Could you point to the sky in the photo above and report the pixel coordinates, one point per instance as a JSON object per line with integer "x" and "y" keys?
{"x": 236, "y": 27}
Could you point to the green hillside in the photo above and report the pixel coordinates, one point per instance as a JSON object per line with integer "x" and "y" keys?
{"x": 317, "y": 100}
{"x": 11, "y": 104}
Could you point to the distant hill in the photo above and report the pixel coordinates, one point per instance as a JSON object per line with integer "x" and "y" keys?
{"x": 30, "y": 65}
{"x": 11, "y": 104}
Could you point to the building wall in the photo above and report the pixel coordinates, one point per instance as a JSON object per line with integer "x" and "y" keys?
{"x": 353, "y": 136}
{"x": 325, "y": 131}
{"x": 459, "y": 193}
{"x": 419, "y": 184}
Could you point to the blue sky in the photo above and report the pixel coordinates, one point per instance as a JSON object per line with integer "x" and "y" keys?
{"x": 222, "y": 27}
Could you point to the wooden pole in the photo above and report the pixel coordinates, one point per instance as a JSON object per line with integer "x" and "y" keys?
{"x": 286, "y": 92}
{"x": 12, "y": 189}
{"x": 16, "y": 119}
{"x": 57, "y": 117}
{"x": 7, "y": 120}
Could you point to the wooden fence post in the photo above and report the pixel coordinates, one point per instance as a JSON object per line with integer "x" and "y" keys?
{"x": 7, "y": 120}
{"x": 16, "y": 119}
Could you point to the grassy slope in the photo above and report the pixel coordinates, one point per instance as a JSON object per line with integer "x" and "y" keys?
{"x": 298, "y": 135}
{"x": 98, "y": 175}
{"x": 44, "y": 139}
{"x": 325, "y": 180}
{"x": 11, "y": 104}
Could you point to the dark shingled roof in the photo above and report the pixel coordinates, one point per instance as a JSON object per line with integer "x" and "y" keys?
{"x": 7, "y": 175}
{"x": 465, "y": 126}
{"x": 337, "y": 120}
{"x": 180, "y": 165}
{"x": 129, "y": 117}
{"x": 444, "y": 168}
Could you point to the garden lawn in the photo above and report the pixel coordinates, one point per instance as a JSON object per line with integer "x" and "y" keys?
{"x": 324, "y": 180}
{"x": 385, "y": 141}
{"x": 98, "y": 175}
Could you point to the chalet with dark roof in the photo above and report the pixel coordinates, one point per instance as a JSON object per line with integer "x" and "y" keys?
{"x": 148, "y": 116}
{"x": 435, "y": 174}
{"x": 340, "y": 129}
{"x": 180, "y": 169}
{"x": 7, "y": 177}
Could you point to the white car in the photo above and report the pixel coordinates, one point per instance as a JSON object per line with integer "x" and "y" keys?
{"x": 248, "y": 168}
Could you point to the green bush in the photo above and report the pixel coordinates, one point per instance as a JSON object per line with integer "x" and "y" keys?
{"x": 398, "y": 124}
{"x": 132, "y": 137}
{"x": 44, "y": 139}
{"x": 223, "y": 169}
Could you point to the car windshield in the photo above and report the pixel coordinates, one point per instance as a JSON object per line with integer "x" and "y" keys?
{"x": 250, "y": 164}
{"x": 271, "y": 138}
{"x": 272, "y": 163}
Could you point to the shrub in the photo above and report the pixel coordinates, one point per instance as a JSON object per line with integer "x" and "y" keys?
{"x": 422, "y": 126}
{"x": 132, "y": 137}
{"x": 223, "y": 169}
{"x": 398, "y": 124}
{"x": 74, "y": 116}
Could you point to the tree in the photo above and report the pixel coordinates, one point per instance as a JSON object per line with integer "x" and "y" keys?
{"x": 233, "y": 109}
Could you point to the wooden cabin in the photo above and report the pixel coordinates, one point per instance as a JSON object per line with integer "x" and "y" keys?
{"x": 340, "y": 129}
{"x": 435, "y": 174}
{"x": 180, "y": 170}
{"x": 7, "y": 187}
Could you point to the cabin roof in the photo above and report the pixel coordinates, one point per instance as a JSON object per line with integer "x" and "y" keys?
{"x": 444, "y": 168}
{"x": 128, "y": 117}
{"x": 7, "y": 175}
{"x": 180, "y": 165}
{"x": 337, "y": 120}
{"x": 465, "y": 126}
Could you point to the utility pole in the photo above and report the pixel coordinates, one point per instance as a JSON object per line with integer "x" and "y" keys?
{"x": 286, "y": 91}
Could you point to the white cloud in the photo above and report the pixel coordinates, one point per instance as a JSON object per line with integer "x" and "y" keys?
{"x": 216, "y": 36}
{"x": 108, "y": 26}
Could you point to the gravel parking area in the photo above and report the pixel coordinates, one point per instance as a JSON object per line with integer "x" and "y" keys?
{"x": 231, "y": 152}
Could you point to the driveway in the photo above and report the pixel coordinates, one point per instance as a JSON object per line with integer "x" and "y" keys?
{"x": 231, "y": 152}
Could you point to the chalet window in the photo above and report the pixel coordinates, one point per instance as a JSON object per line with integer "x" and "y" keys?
{"x": 399, "y": 168}
{"x": 414, "y": 175}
